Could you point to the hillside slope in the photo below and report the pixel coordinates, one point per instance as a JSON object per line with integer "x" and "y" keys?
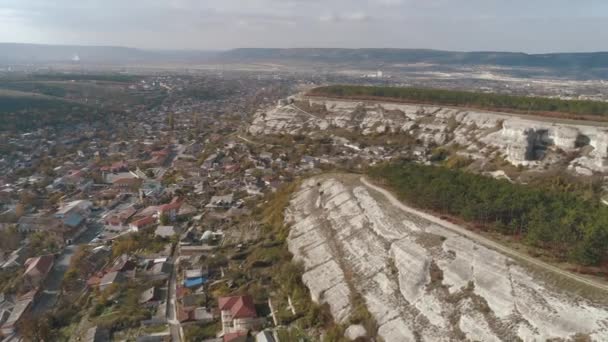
{"x": 420, "y": 280}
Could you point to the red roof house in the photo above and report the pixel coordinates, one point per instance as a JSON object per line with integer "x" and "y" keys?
{"x": 238, "y": 314}
{"x": 37, "y": 270}
{"x": 143, "y": 222}
{"x": 239, "y": 336}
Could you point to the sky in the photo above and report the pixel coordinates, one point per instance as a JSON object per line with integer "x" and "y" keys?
{"x": 462, "y": 25}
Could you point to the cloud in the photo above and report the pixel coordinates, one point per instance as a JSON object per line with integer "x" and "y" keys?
{"x": 442, "y": 24}
{"x": 389, "y": 2}
{"x": 356, "y": 16}
{"x": 344, "y": 17}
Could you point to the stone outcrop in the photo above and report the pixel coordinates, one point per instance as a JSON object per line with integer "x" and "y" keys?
{"x": 419, "y": 280}
{"x": 521, "y": 140}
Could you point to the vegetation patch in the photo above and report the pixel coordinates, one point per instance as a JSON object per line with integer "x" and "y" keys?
{"x": 574, "y": 109}
{"x": 567, "y": 224}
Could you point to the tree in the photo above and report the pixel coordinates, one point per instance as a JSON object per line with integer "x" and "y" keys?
{"x": 163, "y": 219}
{"x": 171, "y": 121}
{"x": 563, "y": 220}
{"x": 9, "y": 239}
{"x": 19, "y": 210}
{"x": 35, "y": 328}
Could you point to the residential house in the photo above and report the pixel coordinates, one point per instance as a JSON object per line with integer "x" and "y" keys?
{"x": 22, "y": 306}
{"x": 122, "y": 263}
{"x": 198, "y": 314}
{"x": 194, "y": 278}
{"x": 74, "y": 213}
{"x": 119, "y": 216}
{"x": 96, "y": 334}
{"x": 142, "y": 223}
{"x": 162, "y": 268}
{"x": 238, "y": 314}
{"x": 15, "y": 259}
{"x": 194, "y": 300}
{"x": 124, "y": 181}
{"x": 202, "y": 315}
{"x": 158, "y": 158}
{"x": 110, "y": 279}
{"x": 50, "y": 225}
{"x": 166, "y": 337}
{"x": 195, "y": 250}
{"x": 120, "y": 166}
{"x": 75, "y": 178}
{"x": 165, "y": 231}
{"x": 150, "y": 192}
{"x": 127, "y": 184}
{"x": 186, "y": 210}
{"x": 170, "y": 210}
{"x": 80, "y": 206}
{"x": 221, "y": 202}
{"x": 265, "y": 336}
{"x": 239, "y": 336}
{"x": 309, "y": 163}
{"x": 6, "y": 307}
{"x": 150, "y": 297}
{"x": 37, "y": 269}
{"x": 266, "y": 157}
{"x": 210, "y": 162}
{"x": 96, "y": 259}
{"x": 231, "y": 168}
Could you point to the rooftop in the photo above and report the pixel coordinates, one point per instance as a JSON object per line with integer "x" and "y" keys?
{"x": 239, "y": 306}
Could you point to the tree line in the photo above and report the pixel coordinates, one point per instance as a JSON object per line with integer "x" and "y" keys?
{"x": 468, "y": 99}
{"x": 571, "y": 227}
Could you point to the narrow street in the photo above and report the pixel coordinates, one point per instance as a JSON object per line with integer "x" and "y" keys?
{"x": 52, "y": 289}
{"x": 174, "y": 324}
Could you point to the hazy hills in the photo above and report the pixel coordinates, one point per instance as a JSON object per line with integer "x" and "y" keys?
{"x": 12, "y": 53}
{"x": 507, "y": 59}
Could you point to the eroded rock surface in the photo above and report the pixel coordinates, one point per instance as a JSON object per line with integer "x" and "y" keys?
{"x": 520, "y": 140}
{"x": 419, "y": 280}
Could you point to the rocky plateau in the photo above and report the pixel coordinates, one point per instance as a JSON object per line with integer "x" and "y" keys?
{"x": 519, "y": 139}
{"x": 420, "y": 280}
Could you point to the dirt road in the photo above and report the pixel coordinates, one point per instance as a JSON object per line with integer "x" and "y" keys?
{"x": 482, "y": 240}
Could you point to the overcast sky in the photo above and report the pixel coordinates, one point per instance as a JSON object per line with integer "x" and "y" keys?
{"x": 500, "y": 25}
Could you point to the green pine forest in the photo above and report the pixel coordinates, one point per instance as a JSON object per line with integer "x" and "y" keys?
{"x": 563, "y": 223}
{"x": 574, "y": 108}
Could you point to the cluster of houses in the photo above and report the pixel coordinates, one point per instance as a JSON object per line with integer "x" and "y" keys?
{"x": 188, "y": 183}
{"x": 12, "y": 310}
{"x": 167, "y": 189}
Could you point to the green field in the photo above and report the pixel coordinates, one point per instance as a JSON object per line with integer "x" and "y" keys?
{"x": 40, "y": 100}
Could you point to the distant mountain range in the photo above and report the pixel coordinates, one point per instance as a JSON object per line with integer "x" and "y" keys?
{"x": 411, "y": 56}
{"x": 33, "y": 53}
{"x": 15, "y": 53}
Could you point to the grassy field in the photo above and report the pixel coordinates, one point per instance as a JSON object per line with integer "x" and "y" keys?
{"x": 31, "y": 101}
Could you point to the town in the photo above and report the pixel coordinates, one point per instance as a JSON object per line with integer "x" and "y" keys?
{"x": 164, "y": 220}
{"x": 303, "y": 171}
{"x": 149, "y": 229}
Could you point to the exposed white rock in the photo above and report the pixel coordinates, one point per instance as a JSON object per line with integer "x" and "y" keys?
{"x": 521, "y": 140}
{"x": 355, "y": 331}
{"x": 420, "y": 280}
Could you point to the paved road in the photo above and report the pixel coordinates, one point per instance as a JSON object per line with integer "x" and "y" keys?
{"x": 52, "y": 288}
{"x": 174, "y": 325}
{"x": 484, "y": 241}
